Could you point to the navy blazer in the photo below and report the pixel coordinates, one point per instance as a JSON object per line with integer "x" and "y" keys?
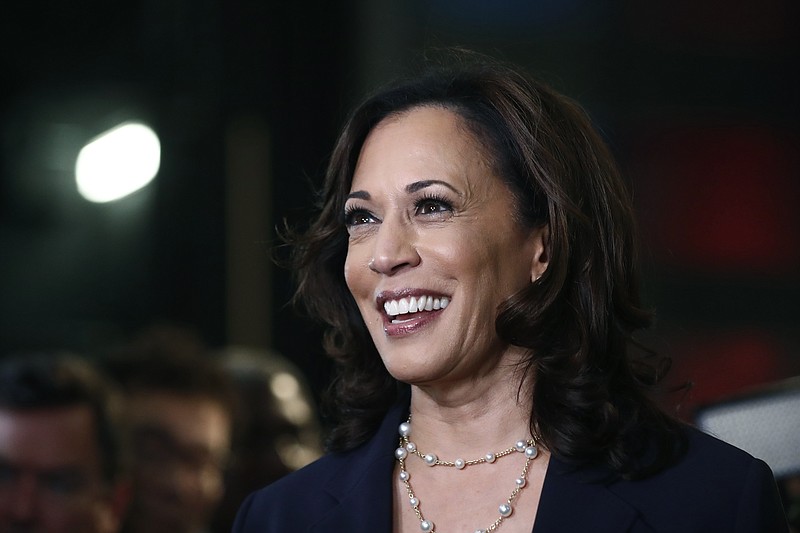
{"x": 714, "y": 488}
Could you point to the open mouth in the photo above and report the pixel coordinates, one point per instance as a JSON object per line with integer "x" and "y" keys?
{"x": 406, "y": 309}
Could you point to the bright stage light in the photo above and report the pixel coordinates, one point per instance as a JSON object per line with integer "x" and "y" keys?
{"x": 118, "y": 162}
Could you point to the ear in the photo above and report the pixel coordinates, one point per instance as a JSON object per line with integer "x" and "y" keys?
{"x": 541, "y": 251}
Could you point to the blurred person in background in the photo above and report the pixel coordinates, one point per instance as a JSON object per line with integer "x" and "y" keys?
{"x": 180, "y": 406}
{"x": 61, "y": 448}
{"x": 277, "y": 426}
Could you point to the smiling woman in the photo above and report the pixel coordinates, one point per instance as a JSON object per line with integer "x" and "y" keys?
{"x": 437, "y": 239}
{"x": 475, "y": 260}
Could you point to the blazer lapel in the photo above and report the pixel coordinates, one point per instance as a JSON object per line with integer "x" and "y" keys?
{"x": 572, "y": 503}
{"x": 360, "y": 487}
{"x": 362, "y": 498}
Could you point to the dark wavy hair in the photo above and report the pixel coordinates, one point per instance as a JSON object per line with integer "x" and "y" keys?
{"x": 590, "y": 380}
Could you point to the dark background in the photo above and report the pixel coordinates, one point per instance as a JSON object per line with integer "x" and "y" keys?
{"x": 698, "y": 99}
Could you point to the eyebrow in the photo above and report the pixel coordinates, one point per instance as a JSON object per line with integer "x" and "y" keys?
{"x": 361, "y": 195}
{"x": 410, "y": 188}
{"x": 419, "y": 185}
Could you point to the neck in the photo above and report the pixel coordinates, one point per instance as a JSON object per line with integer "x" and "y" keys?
{"x": 487, "y": 415}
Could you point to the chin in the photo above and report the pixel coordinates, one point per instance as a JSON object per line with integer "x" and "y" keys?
{"x": 407, "y": 371}
{"x": 416, "y": 371}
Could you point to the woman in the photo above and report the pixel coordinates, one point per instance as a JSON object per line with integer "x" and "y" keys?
{"x": 475, "y": 262}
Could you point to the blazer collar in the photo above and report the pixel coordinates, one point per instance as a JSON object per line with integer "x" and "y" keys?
{"x": 573, "y": 500}
{"x": 570, "y": 500}
{"x": 359, "y": 485}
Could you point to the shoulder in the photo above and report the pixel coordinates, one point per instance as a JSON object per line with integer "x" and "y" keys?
{"x": 349, "y": 491}
{"x": 300, "y": 496}
{"x": 706, "y": 455}
{"x": 713, "y": 486}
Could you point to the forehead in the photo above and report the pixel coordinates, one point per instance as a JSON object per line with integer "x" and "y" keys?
{"x": 49, "y": 437}
{"x": 189, "y": 419}
{"x": 418, "y": 142}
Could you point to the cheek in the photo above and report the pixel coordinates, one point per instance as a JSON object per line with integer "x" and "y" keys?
{"x": 449, "y": 250}
{"x": 84, "y": 517}
{"x": 350, "y": 276}
{"x": 464, "y": 254}
{"x": 512, "y": 276}
{"x": 211, "y": 488}
{"x": 497, "y": 266}
{"x": 355, "y": 272}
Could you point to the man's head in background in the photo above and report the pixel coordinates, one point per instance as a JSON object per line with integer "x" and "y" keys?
{"x": 61, "y": 447}
{"x": 180, "y": 409}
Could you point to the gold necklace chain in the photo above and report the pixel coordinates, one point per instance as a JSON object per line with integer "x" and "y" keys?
{"x": 528, "y": 447}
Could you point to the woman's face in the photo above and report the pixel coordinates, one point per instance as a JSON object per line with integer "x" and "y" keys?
{"x": 434, "y": 247}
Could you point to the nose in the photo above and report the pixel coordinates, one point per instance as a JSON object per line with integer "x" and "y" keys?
{"x": 394, "y": 248}
{"x": 187, "y": 482}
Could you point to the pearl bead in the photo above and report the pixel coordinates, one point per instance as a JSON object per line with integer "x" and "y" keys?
{"x": 531, "y": 452}
{"x": 528, "y": 447}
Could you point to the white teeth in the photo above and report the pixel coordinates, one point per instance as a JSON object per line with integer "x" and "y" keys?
{"x": 414, "y": 305}
{"x": 391, "y": 308}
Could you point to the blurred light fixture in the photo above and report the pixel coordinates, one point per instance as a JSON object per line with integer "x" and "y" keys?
{"x": 118, "y": 162}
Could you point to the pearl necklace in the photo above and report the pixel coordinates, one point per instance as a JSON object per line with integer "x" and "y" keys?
{"x": 528, "y": 447}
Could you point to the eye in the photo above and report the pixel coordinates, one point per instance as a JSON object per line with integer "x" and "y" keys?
{"x": 431, "y": 205}
{"x": 357, "y": 216}
{"x": 64, "y": 483}
{"x": 7, "y": 473}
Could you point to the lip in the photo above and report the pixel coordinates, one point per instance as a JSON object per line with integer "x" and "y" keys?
{"x": 412, "y": 325}
{"x": 417, "y": 321}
